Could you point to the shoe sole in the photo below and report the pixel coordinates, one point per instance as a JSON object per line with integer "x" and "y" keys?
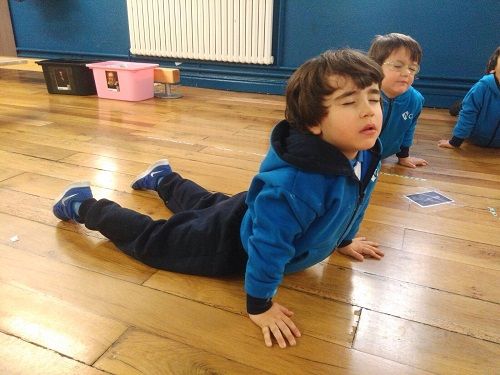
{"x": 149, "y": 170}
{"x": 79, "y": 184}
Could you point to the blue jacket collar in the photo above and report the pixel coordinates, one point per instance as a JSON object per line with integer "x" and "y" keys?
{"x": 310, "y": 153}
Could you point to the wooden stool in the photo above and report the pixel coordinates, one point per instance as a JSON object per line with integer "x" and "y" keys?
{"x": 167, "y": 77}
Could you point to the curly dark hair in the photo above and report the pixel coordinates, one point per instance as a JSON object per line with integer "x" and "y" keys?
{"x": 492, "y": 61}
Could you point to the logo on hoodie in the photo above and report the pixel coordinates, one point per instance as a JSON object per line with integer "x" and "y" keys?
{"x": 407, "y": 115}
{"x": 376, "y": 173}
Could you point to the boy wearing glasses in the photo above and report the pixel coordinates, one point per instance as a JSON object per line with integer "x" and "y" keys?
{"x": 399, "y": 56}
{"x": 307, "y": 200}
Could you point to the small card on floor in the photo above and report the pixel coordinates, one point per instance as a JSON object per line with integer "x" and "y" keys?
{"x": 429, "y": 198}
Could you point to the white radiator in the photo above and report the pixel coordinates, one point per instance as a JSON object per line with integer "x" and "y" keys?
{"x": 218, "y": 30}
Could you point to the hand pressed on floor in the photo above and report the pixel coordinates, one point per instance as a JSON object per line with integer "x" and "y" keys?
{"x": 412, "y": 162}
{"x": 276, "y": 323}
{"x": 444, "y": 143}
{"x": 361, "y": 247}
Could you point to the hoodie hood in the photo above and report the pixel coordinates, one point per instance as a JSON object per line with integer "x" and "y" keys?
{"x": 309, "y": 152}
{"x": 491, "y": 83}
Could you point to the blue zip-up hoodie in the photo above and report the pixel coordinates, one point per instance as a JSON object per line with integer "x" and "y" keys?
{"x": 400, "y": 118}
{"x": 304, "y": 202}
{"x": 479, "y": 119}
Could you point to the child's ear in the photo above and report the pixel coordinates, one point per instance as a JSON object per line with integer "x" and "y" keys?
{"x": 315, "y": 129}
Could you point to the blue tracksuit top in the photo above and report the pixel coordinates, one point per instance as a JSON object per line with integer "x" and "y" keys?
{"x": 304, "y": 202}
{"x": 479, "y": 119}
{"x": 400, "y": 118}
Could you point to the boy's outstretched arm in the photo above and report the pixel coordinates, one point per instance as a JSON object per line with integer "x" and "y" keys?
{"x": 403, "y": 155}
{"x": 361, "y": 247}
{"x": 276, "y": 322}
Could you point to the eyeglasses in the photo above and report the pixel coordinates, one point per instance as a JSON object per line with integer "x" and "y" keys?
{"x": 400, "y": 67}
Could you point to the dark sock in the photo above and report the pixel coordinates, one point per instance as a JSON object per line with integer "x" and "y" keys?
{"x": 84, "y": 208}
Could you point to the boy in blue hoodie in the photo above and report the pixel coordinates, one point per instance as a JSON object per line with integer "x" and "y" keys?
{"x": 307, "y": 200}
{"x": 399, "y": 56}
{"x": 479, "y": 118}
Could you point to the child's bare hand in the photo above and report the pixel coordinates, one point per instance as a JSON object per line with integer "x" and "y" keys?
{"x": 445, "y": 143}
{"x": 412, "y": 162}
{"x": 276, "y": 321}
{"x": 360, "y": 247}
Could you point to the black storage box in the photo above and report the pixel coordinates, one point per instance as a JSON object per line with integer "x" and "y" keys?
{"x": 70, "y": 77}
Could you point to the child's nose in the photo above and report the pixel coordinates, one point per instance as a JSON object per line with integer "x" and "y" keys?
{"x": 367, "y": 110}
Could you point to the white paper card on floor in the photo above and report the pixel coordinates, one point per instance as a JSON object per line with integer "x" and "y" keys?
{"x": 429, "y": 199}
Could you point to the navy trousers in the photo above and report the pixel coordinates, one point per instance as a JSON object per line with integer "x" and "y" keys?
{"x": 201, "y": 238}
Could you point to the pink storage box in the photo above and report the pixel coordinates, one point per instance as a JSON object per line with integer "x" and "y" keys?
{"x": 124, "y": 80}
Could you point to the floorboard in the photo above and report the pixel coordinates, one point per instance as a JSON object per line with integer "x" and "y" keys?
{"x": 71, "y": 303}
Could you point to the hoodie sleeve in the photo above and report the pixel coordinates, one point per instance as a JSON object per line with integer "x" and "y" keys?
{"x": 471, "y": 107}
{"x": 408, "y": 137}
{"x": 280, "y": 218}
{"x": 355, "y": 227}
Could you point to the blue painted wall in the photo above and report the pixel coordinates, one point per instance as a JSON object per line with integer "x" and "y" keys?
{"x": 61, "y": 28}
{"x": 457, "y": 38}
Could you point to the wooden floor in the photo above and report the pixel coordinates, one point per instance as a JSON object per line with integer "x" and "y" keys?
{"x": 70, "y": 303}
